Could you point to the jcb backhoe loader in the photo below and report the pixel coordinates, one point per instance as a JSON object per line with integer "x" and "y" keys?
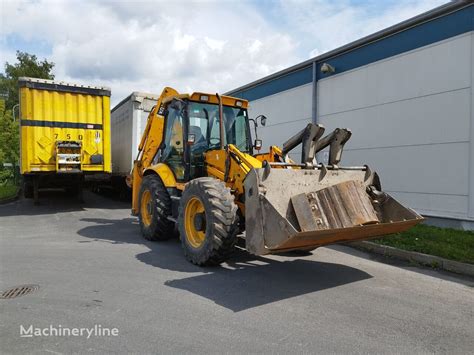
{"x": 196, "y": 172}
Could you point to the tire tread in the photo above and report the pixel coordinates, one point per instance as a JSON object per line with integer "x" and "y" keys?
{"x": 223, "y": 218}
{"x": 161, "y": 227}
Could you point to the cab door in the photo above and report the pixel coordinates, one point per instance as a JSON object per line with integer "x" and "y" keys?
{"x": 198, "y": 131}
{"x": 173, "y": 146}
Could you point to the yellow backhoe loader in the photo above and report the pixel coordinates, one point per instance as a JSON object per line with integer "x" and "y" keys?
{"x": 197, "y": 172}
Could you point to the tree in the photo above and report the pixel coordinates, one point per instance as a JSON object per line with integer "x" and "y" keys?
{"x": 27, "y": 65}
{"x": 9, "y": 145}
{"x": 9, "y": 138}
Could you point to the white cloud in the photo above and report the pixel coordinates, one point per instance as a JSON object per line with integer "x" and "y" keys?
{"x": 255, "y": 46}
{"x": 147, "y": 45}
{"x": 326, "y": 25}
{"x": 7, "y": 55}
{"x": 214, "y": 44}
{"x": 200, "y": 45}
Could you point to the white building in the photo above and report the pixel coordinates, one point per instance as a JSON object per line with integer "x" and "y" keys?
{"x": 406, "y": 93}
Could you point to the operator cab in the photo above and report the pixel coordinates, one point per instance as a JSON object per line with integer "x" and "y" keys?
{"x": 192, "y": 127}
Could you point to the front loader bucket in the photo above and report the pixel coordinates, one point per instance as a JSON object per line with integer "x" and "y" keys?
{"x": 302, "y": 209}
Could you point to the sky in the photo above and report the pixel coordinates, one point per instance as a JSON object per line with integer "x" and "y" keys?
{"x": 210, "y": 46}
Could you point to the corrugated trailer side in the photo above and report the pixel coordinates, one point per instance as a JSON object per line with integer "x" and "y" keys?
{"x": 128, "y": 121}
{"x": 64, "y": 134}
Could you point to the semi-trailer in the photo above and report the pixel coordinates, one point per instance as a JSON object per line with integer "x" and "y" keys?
{"x": 128, "y": 121}
{"x": 64, "y": 134}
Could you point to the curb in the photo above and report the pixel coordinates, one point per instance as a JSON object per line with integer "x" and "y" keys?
{"x": 420, "y": 258}
{"x": 11, "y": 199}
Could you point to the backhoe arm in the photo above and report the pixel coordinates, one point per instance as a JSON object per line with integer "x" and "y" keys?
{"x": 150, "y": 143}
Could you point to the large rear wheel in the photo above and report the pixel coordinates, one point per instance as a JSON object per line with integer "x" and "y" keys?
{"x": 207, "y": 221}
{"x": 155, "y": 208}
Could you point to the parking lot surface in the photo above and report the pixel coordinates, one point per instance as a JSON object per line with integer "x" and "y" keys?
{"x": 94, "y": 269}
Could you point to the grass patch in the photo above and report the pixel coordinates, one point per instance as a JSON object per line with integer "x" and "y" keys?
{"x": 447, "y": 243}
{"x": 8, "y": 191}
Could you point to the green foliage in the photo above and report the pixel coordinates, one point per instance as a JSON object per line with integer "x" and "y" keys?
{"x": 6, "y": 176}
{"x": 27, "y": 65}
{"x": 9, "y": 138}
{"x": 8, "y": 191}
{"x": 447, "y": 243}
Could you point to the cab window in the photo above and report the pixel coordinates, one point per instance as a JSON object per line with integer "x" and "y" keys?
{"x": 173, "y": 150}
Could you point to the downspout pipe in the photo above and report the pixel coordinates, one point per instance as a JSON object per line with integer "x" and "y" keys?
{"x": 314, "y": 97}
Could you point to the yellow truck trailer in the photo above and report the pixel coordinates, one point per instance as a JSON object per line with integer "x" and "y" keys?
{"x": 64, "y": 134}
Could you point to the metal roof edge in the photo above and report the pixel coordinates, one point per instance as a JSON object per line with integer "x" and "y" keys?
{"x": 144, "y": 95}
{"x": 134, "y": 95}
{"x": 121, "y": 102}
{"x": 62, "y": 83}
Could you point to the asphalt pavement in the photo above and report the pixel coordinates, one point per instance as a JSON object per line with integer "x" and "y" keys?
{"x": 95, "y": 271}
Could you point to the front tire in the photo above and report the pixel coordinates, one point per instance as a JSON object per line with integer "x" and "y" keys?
{"x": 207, "y": 221}
{"x": 155, "y": 208}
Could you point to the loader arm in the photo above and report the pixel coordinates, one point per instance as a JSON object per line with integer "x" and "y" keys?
{"x": 232, "y": 166}
{"x": 291, "y": 206}
{"x": 150, "y": 143}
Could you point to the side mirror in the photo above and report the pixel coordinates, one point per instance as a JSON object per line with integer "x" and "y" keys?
{"x": 263, "y": 120}
{"x": 257, "y": 144}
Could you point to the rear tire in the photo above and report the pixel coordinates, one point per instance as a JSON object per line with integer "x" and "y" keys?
{"x": 209, "y": 234}
{"x": 154, "y": 222}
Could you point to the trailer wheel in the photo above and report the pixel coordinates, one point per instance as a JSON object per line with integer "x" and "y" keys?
{"x": 207, "y": 221}
{"x": 155, "y": 208}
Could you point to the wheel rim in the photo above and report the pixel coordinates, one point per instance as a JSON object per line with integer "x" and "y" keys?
{"x": 195, "y": 222}
{"x": 146, "y": 207}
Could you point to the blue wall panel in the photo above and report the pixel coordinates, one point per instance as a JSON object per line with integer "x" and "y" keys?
{"x": 436, "y": 30}
{"x": 285, "y": 82}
